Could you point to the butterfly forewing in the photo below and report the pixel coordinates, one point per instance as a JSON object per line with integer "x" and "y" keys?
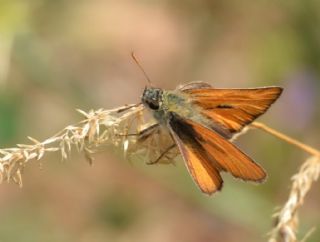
{"x": 203, "y": 172}
{"x": 233, "y": 108}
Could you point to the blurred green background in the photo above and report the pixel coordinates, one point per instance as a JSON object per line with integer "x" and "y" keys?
{"x": 56, "y": 56}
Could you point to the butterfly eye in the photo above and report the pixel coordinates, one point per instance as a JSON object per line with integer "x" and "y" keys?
{"x": 151, "y": 98}
{"x": 153, "y": 105}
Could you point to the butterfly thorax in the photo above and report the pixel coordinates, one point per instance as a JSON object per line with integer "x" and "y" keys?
{"x": 162, "y": 103}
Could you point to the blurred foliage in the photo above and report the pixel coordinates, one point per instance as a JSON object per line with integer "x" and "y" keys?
{"x": 118, "y": 211}
{"x": 56, "y": 56}
{"x": 9, "y": 109}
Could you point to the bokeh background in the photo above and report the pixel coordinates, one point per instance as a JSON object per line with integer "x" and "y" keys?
{"x": 56, "y": 56}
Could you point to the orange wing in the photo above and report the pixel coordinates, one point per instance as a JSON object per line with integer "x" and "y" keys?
{"x": 202, "y": 171}
{"x": 227, "y": 156}
{"x": 233, "y": 108}
{"x": 206, "y": 153}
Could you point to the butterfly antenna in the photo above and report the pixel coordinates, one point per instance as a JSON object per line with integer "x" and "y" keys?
{"x": 140, "y": 67}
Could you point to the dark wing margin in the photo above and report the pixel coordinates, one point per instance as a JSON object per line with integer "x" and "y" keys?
{"x": 206, "y": 153}
{"x": 233, "y": 108}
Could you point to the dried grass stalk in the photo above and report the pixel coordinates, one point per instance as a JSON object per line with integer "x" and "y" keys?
{"x": 100, "y": 127}
{"x": 287, "y": 217}
{"x": 286, "y": 226}
{"x": 118, "y": 127}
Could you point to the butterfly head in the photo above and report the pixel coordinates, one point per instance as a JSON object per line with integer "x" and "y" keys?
{"x": 152, "y": 97}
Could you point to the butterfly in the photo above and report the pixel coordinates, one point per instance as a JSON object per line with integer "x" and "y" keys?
{"x": 201, "y": 120}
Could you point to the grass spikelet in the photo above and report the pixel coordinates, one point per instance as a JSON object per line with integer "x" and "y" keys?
{"x": 100, "y": 127}
{"x": 125, "y": 127}
{"x": 286, "y": 226}
{"x": 287, "y": 218}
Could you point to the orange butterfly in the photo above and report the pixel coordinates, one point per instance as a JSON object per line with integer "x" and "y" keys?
{"x": 201, "y": 119}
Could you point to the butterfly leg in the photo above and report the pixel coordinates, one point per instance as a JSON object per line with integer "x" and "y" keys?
{"x": 162, "y": 155}
{"x": 145, "y": 132}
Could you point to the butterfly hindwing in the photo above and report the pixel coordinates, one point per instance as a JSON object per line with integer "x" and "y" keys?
{"x": 204, "y": 148}
{"x": 226, "y": 155}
